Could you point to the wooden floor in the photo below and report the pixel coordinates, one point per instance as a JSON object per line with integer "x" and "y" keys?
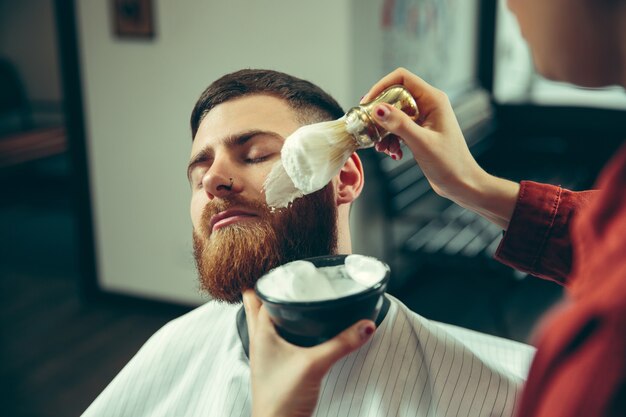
{"x": 58, "y": 353}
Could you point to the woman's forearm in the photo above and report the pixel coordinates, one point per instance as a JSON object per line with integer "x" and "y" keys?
{"x": 491, "y": 197}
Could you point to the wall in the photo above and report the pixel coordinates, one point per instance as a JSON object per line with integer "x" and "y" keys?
{"x": 138, "y": 97}
{"x": 139, "y": 94}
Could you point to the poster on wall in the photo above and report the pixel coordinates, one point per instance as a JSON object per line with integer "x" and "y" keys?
{"x": 436, "y": 39}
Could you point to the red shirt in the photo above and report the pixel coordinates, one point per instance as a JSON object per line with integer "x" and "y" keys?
{"x": 579, "y": 240}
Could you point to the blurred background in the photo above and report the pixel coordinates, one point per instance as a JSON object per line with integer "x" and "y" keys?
{"x": 95, "y": 98}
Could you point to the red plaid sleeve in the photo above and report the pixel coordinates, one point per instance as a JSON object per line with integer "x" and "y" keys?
{"x": 538, "y": 238}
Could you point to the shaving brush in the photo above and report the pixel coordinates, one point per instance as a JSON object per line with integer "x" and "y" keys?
{"x": 314, "y": 154}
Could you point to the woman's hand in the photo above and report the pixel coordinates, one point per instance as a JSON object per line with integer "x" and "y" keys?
{"x": 438, "y": 146}
{"x": 286, "y": 378}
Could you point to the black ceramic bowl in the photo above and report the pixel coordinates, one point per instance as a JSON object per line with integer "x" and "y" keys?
{"x": 309, "y": 323}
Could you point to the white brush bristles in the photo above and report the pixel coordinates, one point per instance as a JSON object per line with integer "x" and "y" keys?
{"x": 310, "y": 158}
{"x": 314, "y": 154}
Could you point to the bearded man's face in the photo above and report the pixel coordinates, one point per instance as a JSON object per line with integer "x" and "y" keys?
{"x": 236, "y": 237}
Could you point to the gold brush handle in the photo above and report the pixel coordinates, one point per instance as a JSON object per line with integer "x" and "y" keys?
{"x": 361, "y": 125}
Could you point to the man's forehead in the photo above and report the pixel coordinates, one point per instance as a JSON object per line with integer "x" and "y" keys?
{"x": 255, "y": 112}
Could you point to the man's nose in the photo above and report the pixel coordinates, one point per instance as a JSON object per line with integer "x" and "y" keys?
{"x": 220, "y": 182}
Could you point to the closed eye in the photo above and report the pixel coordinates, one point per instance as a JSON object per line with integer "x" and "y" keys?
{"x": 258, "y": 159}
{"x": 196, "y": 175}
{"x": 198, "y": 184}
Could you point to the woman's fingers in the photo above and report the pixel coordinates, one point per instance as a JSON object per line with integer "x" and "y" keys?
{"x": 436, "y": 140}
{"x": 355, "y": 336}
{"x": 398, "y": 123}
{"x": 427, "y": 96}
{"x": 265, "y": 324}
{"x": 394, "y": 148}
{"x": 390, "y": 145}
{"x": 252, "y": 305}
{"x": 383, "y": 145}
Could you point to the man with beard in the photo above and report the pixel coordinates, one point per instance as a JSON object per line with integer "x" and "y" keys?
{"x": 198, "y": 364}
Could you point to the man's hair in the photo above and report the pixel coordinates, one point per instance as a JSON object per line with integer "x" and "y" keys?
{"x": 310, "y": 102}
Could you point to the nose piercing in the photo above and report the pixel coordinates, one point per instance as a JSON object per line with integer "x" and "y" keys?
{"x": 231, "y": 183}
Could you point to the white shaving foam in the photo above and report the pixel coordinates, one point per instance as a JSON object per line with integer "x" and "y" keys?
{"x": 302, "y": 281}
{"x": 279, "y": 188}
{"x": 365, "y": 270}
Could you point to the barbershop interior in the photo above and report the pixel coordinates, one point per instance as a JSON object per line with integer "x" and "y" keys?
{"x": 95, "y": 100}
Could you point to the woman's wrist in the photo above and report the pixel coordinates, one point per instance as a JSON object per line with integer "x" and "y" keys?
{"x": 491, "y": 197}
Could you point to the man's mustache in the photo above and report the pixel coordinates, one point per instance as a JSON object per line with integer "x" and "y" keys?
{"x": 217, "y": 206}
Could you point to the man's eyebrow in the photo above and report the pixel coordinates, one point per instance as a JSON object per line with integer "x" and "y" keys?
{"x": 230, "y": 141}
{"x": 242, "y": 138}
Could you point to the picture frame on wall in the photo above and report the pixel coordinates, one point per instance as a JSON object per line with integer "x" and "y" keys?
{"x": 133, "y": 19}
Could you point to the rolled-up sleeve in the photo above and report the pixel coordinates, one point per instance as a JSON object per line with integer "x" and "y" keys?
{"x": 537, "y": 240}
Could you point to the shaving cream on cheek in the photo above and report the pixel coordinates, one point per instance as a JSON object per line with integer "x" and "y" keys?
{"x": 279, "y": 188}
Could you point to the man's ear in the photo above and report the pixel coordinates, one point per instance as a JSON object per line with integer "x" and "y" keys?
{"x": 350, "y": 180}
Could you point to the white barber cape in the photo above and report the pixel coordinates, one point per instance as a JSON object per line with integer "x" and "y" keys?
{"x": 196, "y": 366}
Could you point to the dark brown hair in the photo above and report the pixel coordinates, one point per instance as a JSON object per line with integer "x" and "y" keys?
{"x": 310, "y": 102}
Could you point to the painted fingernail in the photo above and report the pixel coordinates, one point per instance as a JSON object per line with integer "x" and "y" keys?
{"x": 382, "y": 112}
{"x": 366, "y": 331}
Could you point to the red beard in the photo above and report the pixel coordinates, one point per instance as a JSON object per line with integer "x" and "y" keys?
{"x": 234, "y": 257}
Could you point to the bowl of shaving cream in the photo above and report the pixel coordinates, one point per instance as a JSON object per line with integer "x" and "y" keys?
{"x": 314, "y": 299}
